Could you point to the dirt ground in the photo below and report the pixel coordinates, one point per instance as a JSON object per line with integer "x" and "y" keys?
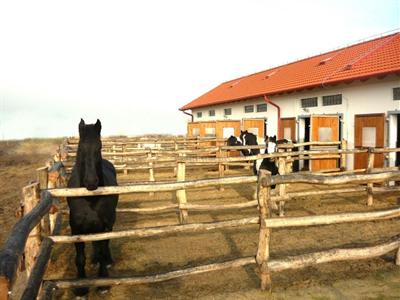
{"x": 18, "y": 163}
{"x": 368, "y": 279}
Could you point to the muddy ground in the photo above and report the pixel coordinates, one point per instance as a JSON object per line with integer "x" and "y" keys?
{"x": 369, "y": 279}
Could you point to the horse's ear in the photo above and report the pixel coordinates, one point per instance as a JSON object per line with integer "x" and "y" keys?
{"x": 81, "y": 127}
{"x": 98, "y": 126}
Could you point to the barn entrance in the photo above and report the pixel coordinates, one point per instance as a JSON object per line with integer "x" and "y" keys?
{"x": 394, "y": 137}
{"x": 369, "y": 132}
{"x": 257, "y": 127}
{"x": 304, "y": 137}
{"x": 226, "y": 128}
{"x": 288, "y": 129}
{"x": 324, "y": 128}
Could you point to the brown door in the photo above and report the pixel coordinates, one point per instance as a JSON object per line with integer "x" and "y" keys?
{"x": 224, "y": 129}
{"x": 288, "y": 129}
{"x": 208, "y": 130}
{"x": 202, "y": 129}
{"x": 193, "y": 129}
{"x": 324, "y": 129}
{"x": 255, "y": 126}
{"x": 369, "y": 132}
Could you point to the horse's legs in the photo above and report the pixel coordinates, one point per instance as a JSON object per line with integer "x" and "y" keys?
{"x": 102, "y": 255}
{"x": 95, "y": 254}
{"x": 108, "y": 257}
{"x": 80, "y": 265}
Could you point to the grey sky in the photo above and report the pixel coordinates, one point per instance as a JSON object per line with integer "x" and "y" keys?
{"x": 132, "y": 64}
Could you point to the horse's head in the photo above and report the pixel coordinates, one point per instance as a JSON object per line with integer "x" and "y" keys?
{"x": 233, "y": 141}
{"x": 89, "y": 154}
{"x": 243, "y": 136}
{"x": 249, "y": 139}
{"x": 270, "y": 142}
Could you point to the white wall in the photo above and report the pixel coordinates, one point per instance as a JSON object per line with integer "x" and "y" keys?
{"x": 371, "y": 96}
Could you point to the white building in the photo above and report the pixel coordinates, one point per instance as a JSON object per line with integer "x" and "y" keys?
{"x": 352, "y": 93}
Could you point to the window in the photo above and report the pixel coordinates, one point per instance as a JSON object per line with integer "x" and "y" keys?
{"x": 210, "y": 132}
{"x": 227, "y": 132}
{"x": 199, "y": 114}
{"x": 309, "y": 102}
{"x": 227, "y": 111}
{"x": 396, "y": 93}
{"x": 253, "y": 130}
{"x": 211, "y": 113}
{"x": 287, "y": 133}
{"x": 261, "y": 107}
{"x": 195, "y": 132}
{"x": 369, "y": 137}
{"x": 332, "y": 100}
{"x": 325, "y": 134}
{"x": 249, "y": 108}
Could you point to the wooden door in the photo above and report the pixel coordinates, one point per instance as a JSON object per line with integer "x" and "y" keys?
{"x": 324, "y": 129}
{"x": 288, "y": 129}
{"x": 369, "y": 131}
{"x": 224, "y": 129}
{"x": 193, "y": 129}
{"x": 208, "y": 130}
{"x": 255, "y": 126}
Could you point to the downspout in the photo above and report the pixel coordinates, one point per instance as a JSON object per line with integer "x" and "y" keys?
{"x": 268, "y": 101}
{"x": 189, "y": 114}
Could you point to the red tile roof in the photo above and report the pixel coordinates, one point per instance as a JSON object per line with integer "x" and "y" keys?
{"x": 376, "y": 57}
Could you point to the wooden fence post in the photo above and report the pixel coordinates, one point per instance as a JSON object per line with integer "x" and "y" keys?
{"x": 289, "y": 162}
{"x": 124, "y": 160}
{"x": 264, "y": 198}
{"x": 343, "y": 156}
{"x": 181, "y": 194}
{"x": 397, "y": 260}
{"x": 31, "y": 195}
{"x": 43, "y": 179}
{"x": 53, "y": 182}
{"x": 221, "y": 167}
{"x": 282, "y": 187}
{"x": 113, "y": 150}
{"x": 4, "y": 288}
{"x": 151, "y": 170}
{"x": 371, "y": 158}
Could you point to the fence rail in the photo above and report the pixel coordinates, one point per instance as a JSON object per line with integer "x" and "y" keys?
{"x": 10, "y": 255}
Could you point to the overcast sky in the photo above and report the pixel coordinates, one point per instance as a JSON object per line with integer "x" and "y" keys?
{"x": 132, "y": 64}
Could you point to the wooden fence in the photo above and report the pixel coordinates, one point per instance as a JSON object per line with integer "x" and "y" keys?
{"x": 21, "y": 233}
{"x": 134, "y": 159}
{"x": 49, "y": 218}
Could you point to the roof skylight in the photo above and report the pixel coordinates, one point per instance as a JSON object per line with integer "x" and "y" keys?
{"x": 325, "y": 60}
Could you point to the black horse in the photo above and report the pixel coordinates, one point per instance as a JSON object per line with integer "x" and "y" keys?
{"x": 234, "y": 141}
{"x": 250, "y": 139}
{"x": 272, "y": 145}
{"x": 92, "y": 214}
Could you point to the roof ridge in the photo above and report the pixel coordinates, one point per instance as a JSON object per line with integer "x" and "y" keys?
{"x": 339, "y": 50}
{"x": 370, "y": 50}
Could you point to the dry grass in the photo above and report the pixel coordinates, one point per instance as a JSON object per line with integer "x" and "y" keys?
{"x": 18, "y": 163}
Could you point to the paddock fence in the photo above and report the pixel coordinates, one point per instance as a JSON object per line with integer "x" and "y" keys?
{"x": 32, "y": 238}
{"x": 21, "y": 234}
